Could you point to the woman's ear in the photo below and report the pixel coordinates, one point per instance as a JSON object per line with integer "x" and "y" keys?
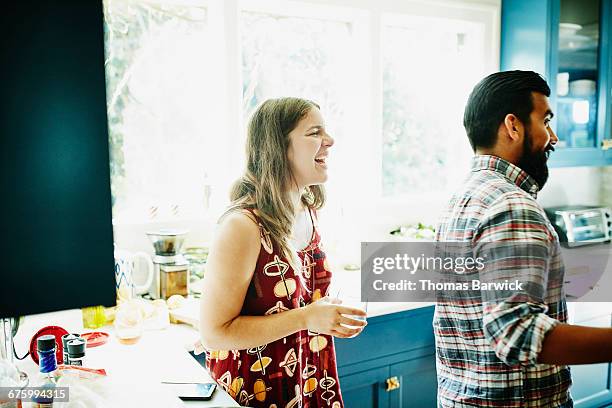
{"x": 513, "y": 127}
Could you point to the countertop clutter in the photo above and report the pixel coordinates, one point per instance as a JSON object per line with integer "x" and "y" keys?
{"x": 134, "y": 372}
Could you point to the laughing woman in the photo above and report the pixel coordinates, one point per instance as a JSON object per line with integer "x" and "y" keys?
{"x": 266, "y": 320}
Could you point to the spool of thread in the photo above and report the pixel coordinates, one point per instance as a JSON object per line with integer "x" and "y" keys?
{"x": 45, "y": 346}
{"x": 65, "y": 339}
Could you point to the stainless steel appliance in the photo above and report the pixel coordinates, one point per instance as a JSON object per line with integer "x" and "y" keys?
{"x": 168, "y": 258}
{"x": 581, "y": 224}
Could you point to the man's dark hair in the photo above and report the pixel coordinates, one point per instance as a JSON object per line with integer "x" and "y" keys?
{"x": 496, "y": 96}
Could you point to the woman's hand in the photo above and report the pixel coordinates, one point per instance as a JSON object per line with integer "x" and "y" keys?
{"x": 327, "y": 316}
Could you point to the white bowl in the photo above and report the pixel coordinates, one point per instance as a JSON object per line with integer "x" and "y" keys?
{"x": 583, "y": 87}
{"x": 569, "y": 28}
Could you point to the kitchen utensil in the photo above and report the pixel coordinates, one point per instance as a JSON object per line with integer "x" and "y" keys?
{"x": 167, "y": 242}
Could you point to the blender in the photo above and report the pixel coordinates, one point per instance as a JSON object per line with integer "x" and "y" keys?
{"x": 171, "y": 269}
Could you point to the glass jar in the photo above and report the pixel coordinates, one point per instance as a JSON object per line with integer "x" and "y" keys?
{"x": 174, "y": 279}
{"x": 93, "y": 317}
{"x": 128, "y": 322}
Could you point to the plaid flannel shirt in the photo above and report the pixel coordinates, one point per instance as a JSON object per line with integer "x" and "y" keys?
{"x": 487, "y": 351}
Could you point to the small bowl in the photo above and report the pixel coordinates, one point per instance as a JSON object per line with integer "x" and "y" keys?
{"x": 583, "y": 88}
{"x": 569, "y": 28}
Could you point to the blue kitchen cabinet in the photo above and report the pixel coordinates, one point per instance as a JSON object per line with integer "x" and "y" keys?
{"x": 568, "y": 42}
{"x": 592, "y": 382}
{"x": 365, "y": 389}
{"x": 392, "y": 363}
{"x": 411, "y": 383}
{"x": 417, "y": 383}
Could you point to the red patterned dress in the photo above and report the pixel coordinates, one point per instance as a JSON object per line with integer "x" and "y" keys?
{"x": 298, "y": 370}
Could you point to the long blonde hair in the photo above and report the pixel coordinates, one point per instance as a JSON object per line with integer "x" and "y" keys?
{"x": 268, "y": 177}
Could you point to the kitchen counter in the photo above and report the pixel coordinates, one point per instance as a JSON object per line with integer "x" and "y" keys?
{"x": 348, "y": 283}
{"x": 345, "y": 284}
{"x": 134, "y": 371}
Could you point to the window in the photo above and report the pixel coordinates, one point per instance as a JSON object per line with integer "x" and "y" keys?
{"x": 430, "y": 65}
{"x": 391, "y": 77}
{"x": 314, "y": 54}
{"x": 159, "y": 108}
{"x": 287, "y": 56}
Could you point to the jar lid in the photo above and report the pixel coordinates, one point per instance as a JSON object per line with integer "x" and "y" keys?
{"x": 174, "y": 259}
{"x": 76, "y": 348}
{"x": 68, "y": 337}
{"x": 174, "y": 268}
{"x": 45, "y": 343}
{"x": 171, "y": 232}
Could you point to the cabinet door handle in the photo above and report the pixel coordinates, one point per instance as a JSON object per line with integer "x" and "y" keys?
{"x": 393, "y": 383}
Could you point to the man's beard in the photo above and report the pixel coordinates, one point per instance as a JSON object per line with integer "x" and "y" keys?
{"x": 535, "y": 163}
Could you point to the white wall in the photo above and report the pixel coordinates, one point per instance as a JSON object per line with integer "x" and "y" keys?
{"x": 572, "y": 186}
{"x": 606, "y": 186}
{"x": 133, "y": 237}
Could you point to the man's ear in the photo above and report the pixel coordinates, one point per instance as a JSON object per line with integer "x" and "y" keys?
{"x": 513, "y": 126}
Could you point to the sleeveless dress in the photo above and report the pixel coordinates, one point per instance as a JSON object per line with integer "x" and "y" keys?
{"x": 298, "y": 370}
